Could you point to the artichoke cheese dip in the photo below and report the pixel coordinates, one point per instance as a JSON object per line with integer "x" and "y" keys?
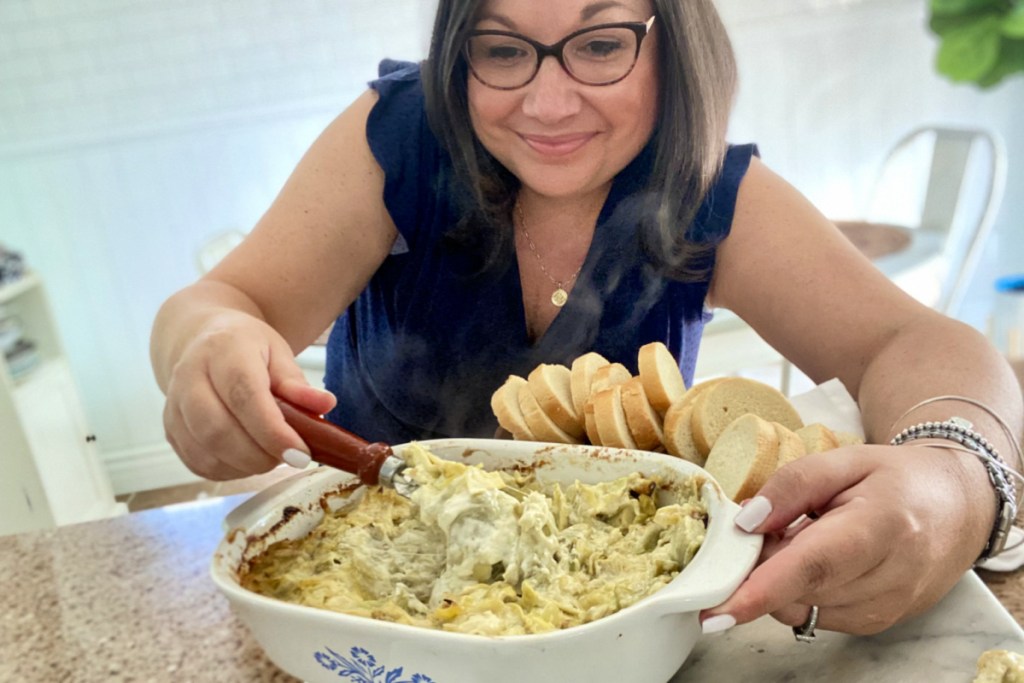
{"x": 1000, "y": 666}
{"x": 463, "y": 555}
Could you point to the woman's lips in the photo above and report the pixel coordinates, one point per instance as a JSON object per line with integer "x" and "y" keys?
{"x": 557, "y": 145}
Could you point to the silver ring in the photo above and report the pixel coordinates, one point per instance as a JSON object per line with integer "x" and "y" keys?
{"x": 804, "y": 633}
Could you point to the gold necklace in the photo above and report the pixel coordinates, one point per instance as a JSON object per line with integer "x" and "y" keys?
{"x": 559, "y": 296}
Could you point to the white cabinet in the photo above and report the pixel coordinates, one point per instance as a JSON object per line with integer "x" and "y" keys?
{"x": 50, "y": 471}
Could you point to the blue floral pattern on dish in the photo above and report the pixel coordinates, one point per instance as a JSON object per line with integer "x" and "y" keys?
{"x": 363, "y": 667}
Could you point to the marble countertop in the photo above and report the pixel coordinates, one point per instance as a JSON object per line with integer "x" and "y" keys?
{"x": 130, "y": 599}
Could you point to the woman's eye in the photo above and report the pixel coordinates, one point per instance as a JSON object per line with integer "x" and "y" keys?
{"x": 505, "y": 53}
{"x": 600, "y": 48}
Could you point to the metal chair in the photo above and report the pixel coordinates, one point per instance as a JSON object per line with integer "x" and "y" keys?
{"x": 946, "y": 184}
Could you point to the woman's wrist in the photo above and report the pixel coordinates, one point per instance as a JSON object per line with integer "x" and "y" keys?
{"x": 958, "y": 434}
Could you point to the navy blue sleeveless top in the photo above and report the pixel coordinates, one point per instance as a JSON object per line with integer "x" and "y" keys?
{"x": 422, "y": 349}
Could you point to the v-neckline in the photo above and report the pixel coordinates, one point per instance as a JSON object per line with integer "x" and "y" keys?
{"x": 569, "y": 310}
{"x": 625, "y": 181}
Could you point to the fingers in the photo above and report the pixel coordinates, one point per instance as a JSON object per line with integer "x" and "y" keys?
{"x": 863, "y": 618}
{"x": 247, "y": 399}
{"x": 222, "y": 417}
{"x": 193, "y": 454}
{"x": 288, "y": 382}
{"x": 806, "y": 486}
{"x": 812, "y": 558}
{"x": 826, "y": 554}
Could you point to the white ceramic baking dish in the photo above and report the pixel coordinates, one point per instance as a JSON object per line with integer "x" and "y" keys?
{"x": 644, "y": 643}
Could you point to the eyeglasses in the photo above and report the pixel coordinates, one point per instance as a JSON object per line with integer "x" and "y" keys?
{"x": 597, "y": 55}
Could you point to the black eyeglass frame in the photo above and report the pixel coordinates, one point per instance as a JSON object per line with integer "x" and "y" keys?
{"x": 640, "y": 28}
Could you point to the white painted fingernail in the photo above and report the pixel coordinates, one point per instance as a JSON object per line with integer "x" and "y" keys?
{"x": 753, "y": 513}
{"x": 717, "y": 624}
{"x": 296, "y": 458}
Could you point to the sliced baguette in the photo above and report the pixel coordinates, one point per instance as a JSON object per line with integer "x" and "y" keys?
{"x": 848, "y": 439}
{"x": 733, "y": 397}
{"x": 659, "y": 372}
{"x": 550, "y": 385}
{"x": 610, "y": 418}
{"x": 581, "y": 376}
{"x": 818, "y": 438}
{"x": 609, "y": 376}
{"x": 590, "y": 425}
{"x": 505, "y": 405}
{"x": 791, "y": 446}
{"x": 645, "y": 424}
{"x": 744, "y": 456}
{"x": 541, "y": 425}
{"x": 679, "y": 434}
{"x": 694, "y": 392}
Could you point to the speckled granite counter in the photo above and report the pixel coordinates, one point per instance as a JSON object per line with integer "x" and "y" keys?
{"x": 129, "y": 599}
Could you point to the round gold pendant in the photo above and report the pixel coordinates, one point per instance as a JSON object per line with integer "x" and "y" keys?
{"x": 559, "y": 297}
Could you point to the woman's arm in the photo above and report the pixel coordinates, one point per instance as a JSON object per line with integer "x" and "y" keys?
{"x": 897, "y": 525}
{"x": 788, "y": 272}
{"x": 222, "y": 347}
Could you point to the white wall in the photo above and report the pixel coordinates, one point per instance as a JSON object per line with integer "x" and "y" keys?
{"x": 133, "y": 130}
{"x": 828, "y": 86}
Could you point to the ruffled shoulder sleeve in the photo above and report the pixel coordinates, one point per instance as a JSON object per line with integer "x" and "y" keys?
{"x": 406, "y": 149}
{"x": 714, "y": 220}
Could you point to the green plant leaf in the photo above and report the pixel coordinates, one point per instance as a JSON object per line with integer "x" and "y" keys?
{"x": 972, "y": 50}
{"x": 1013, "y": 23}
{"x": 1011, "y": 61}
{"x": 943, "y": 24}
{"x": 954, "y": 7}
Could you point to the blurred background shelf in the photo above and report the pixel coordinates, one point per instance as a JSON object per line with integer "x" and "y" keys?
{"x": 52, "y": 472}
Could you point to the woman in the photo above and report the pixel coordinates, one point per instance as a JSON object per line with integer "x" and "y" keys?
{"x": 554, "y": 180}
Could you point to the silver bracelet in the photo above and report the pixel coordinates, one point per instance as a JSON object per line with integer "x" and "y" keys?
{"x": 961, "y": 431}
{"x": 1010, "y": 436}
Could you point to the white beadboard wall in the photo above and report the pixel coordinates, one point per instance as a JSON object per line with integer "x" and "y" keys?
{"x": 131, "y": 131}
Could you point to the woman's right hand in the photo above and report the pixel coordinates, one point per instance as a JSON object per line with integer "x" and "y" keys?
{"x": 221, "y": 416}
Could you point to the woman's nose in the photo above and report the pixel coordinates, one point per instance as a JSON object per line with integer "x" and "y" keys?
{"x": 552, "y": 95}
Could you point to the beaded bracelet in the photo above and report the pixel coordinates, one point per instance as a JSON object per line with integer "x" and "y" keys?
{"x": 960, "y": 430}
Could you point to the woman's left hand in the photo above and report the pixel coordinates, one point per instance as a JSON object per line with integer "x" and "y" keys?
{"x": 891, "y": 529}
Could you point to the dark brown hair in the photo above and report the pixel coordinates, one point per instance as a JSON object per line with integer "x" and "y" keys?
{"x": 697, "y": 80}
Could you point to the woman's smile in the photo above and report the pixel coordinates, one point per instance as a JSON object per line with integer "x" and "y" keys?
{"x": 557, "y": 145}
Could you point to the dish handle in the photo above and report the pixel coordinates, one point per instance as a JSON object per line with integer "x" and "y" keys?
{"x": 712, "y": 576}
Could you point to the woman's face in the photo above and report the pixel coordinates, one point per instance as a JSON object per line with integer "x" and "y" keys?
{"x": 562, "y": 138}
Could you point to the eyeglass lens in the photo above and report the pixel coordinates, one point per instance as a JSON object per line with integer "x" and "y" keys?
{"x": 603, "y": 55}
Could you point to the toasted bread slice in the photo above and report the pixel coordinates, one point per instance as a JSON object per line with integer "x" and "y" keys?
{"x": 610, "y": 418}
{"x": 550, "y": 385}
{"x": 744, "y": 456}
{"x": 733, "y": 397}
{"x": 505, "y": 404}
{"x": 661, "y": 377}
{"x": 694, "y": 392}
{"x": 541, "y": 425}
{"x": 818, "y": 438}
{"x": 679, "y": 434}
{"x": 582, "y": 375}
{"x": 609, "y": 376}
{"x": 791, "y": 446}
{"x": 590, "y": 424}
{"x": 645, "y": 424}
{"x": 848, "y": 439}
